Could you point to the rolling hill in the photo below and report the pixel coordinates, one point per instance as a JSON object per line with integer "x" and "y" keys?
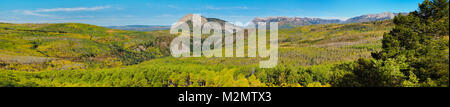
{"x": 72, "y": 54}
{"x": 36, "y": 47}
{"x": 140, "y": 27}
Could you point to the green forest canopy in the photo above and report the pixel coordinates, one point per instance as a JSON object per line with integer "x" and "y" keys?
{"x": 408, "y": 51}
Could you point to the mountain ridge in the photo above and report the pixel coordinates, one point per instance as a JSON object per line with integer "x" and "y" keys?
{"x": 284, "y": 22}
{"x": 291, "y": 22}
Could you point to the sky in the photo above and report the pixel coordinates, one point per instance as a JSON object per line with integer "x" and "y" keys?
{"x": 167, "y": 12}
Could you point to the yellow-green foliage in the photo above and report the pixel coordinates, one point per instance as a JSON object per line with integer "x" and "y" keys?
{"x": 177, "y": 73}
{"x": 81, "y": 43}
{"x": 87, "y": 55}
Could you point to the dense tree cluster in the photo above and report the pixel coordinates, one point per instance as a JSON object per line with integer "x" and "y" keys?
{"x": 409, "y": 51}
{"x": 414, "y": 53}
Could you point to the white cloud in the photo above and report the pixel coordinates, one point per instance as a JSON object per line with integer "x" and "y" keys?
{"x": 28, "y": 12}
{"x": 74, "y": 9}
{"x": 40, "y": 11}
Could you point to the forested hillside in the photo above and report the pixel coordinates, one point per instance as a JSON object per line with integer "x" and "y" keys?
{"x": 408, "y": 51}
{"x": 86, "y": 55}
{"x": 36, "y": 47}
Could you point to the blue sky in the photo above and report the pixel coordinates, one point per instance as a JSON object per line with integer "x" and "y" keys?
{"x": 166, "y": 12}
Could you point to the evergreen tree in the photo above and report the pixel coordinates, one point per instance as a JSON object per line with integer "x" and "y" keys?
{"x": 422, "y": 38}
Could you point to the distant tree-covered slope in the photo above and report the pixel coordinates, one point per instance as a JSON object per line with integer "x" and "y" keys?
{"x": 140, "y": 27}
{"x": 415, "y": 53}
{"x": 409, "y": 51}
{"x": 42, "y": 46}
{"x": 307, "y": 55}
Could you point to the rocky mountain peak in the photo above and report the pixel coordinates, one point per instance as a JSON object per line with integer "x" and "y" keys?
{"x": 190, "y": 17}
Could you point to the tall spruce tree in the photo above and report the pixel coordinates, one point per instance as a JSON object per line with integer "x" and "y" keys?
{"x": 414, "y": 53}
{"x": 422, "y": 38}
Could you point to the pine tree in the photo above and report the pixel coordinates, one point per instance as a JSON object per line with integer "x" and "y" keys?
{"x": 422, "y": 38}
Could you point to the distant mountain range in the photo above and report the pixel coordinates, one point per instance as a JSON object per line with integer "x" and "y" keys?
{"x": 373, "y": 17}
{"x": 290, "y": 22}
{"x": 283, "y": 22}
{"x": 189, "y": 17}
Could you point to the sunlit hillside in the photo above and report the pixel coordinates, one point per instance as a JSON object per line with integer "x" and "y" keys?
{"x": 85, "y": 55}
